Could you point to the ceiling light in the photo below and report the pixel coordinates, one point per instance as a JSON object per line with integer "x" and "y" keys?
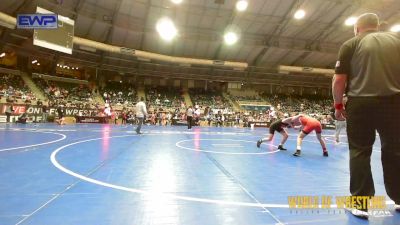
{"x": 2, "y": 54}
{"x": 242, "y": 5}
{"x": 350, "y": 21}
{"x": 166, "y": 28}
{"x": 395, "y": 28}
{"x": 231, "y": 38}
{"x": 38, "y": 64}
{"x": 176, "y": 1}
{"x": 299, "y": 14}
{"x": 34, "y": 61}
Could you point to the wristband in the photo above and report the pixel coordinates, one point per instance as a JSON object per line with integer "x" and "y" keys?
{"x": 338, "y": 106}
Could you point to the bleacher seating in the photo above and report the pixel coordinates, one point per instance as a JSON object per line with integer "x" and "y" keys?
{"x": 119, "y": 94}
{"x": 68, "y": 93}
{"x": 164, "y": 97}
{"x": 312, "y": 105}
{"x": 14, "y": 89}
{"x": 209, "y": 98}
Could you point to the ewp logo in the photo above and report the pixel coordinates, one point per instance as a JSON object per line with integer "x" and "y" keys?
{"x": 37, "y": 21}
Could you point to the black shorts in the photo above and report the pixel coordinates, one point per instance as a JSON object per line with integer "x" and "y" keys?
{"x": 276, "y": 126}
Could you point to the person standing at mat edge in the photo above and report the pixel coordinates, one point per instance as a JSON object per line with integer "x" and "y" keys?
{"x": 141, "y": 113}
{"x": 368, "y": 69}
{"x": 340, "y": 124}
{"x": 9, "y": 111}
{"x": 189, "y": 117}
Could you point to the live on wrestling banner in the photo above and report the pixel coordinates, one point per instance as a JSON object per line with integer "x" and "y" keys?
{"x": 36, "y": 111}
{"x": 375, "y": 204}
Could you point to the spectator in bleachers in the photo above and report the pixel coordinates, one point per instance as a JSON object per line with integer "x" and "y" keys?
{"x": 163, "y": 97}
{"x": 119, "y": 93}
{"x": 13, "y": 88}
{"x": 209, "y": 98}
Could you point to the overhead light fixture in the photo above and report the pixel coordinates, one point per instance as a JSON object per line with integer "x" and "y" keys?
{"x": 231, "y": 38}
{"x": 350, "y": 21}
{"x": 38, "y": 64}
{"x": 299, "y": 14}
{"x": 176, "y": 1}
{"x": 76, "y": 68}
{"x": 34, "y": 61}
{"x": 241, "y": 5}
{"x": 2, "y": 55}
{"x": 395, "y": 28}
{"x": 166, "y": 29}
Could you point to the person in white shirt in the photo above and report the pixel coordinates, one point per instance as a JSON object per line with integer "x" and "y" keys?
{"x": 169, "y": 118}
{"x": 141, "y": 113}
{"x": 107, "y": 110}
{"x": 340, "y": 124}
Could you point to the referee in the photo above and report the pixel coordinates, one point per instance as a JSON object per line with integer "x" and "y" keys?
{"x": 368, "y": 69}
{"x": 189, "y": 117}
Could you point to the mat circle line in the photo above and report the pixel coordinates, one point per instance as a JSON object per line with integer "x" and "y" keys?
{"x": 53, "y": 159}
{"x": 178, "y": 144}
{"x": 63, "y": 136}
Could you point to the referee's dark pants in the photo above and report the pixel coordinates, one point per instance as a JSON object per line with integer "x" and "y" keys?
{"x": 365, "y": 116}
{"x": 8, "y": 117}
{"x": 139, "y": 126}
{"x": 189, "y": 121}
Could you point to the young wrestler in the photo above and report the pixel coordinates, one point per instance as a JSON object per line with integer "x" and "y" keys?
{"x": 276, "y": 126}
{"x": 309, "y": 124}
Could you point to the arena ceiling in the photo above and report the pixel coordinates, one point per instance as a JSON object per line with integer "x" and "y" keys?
{"x": 270, "y": 36}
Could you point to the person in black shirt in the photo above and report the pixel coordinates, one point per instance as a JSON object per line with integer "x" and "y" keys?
{"x": 23, "y": 118}
{"x": 189, "y": 117}
{"x": 60, "y": 111}
{"x": 368, "y": 70}
{"x": 218, "y": 119}
{"x": 44, "y": 113}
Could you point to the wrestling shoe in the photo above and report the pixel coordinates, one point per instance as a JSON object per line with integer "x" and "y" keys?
{"x": 280, "y": 147}
{"x": 326, "y": 154}
{"x": 259, "y": 143}
{"x": 297, "y": 153}
{"x": 397, "y": 207}
{"x": 358, "y": 213}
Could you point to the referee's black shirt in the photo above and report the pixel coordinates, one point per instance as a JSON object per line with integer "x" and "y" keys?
{"x": 372, "y": 63}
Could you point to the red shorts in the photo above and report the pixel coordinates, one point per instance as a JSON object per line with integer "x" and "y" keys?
{"x": 310, "y": 124}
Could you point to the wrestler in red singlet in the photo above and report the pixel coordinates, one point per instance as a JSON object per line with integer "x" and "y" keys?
{"x": 309, "y": 124}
